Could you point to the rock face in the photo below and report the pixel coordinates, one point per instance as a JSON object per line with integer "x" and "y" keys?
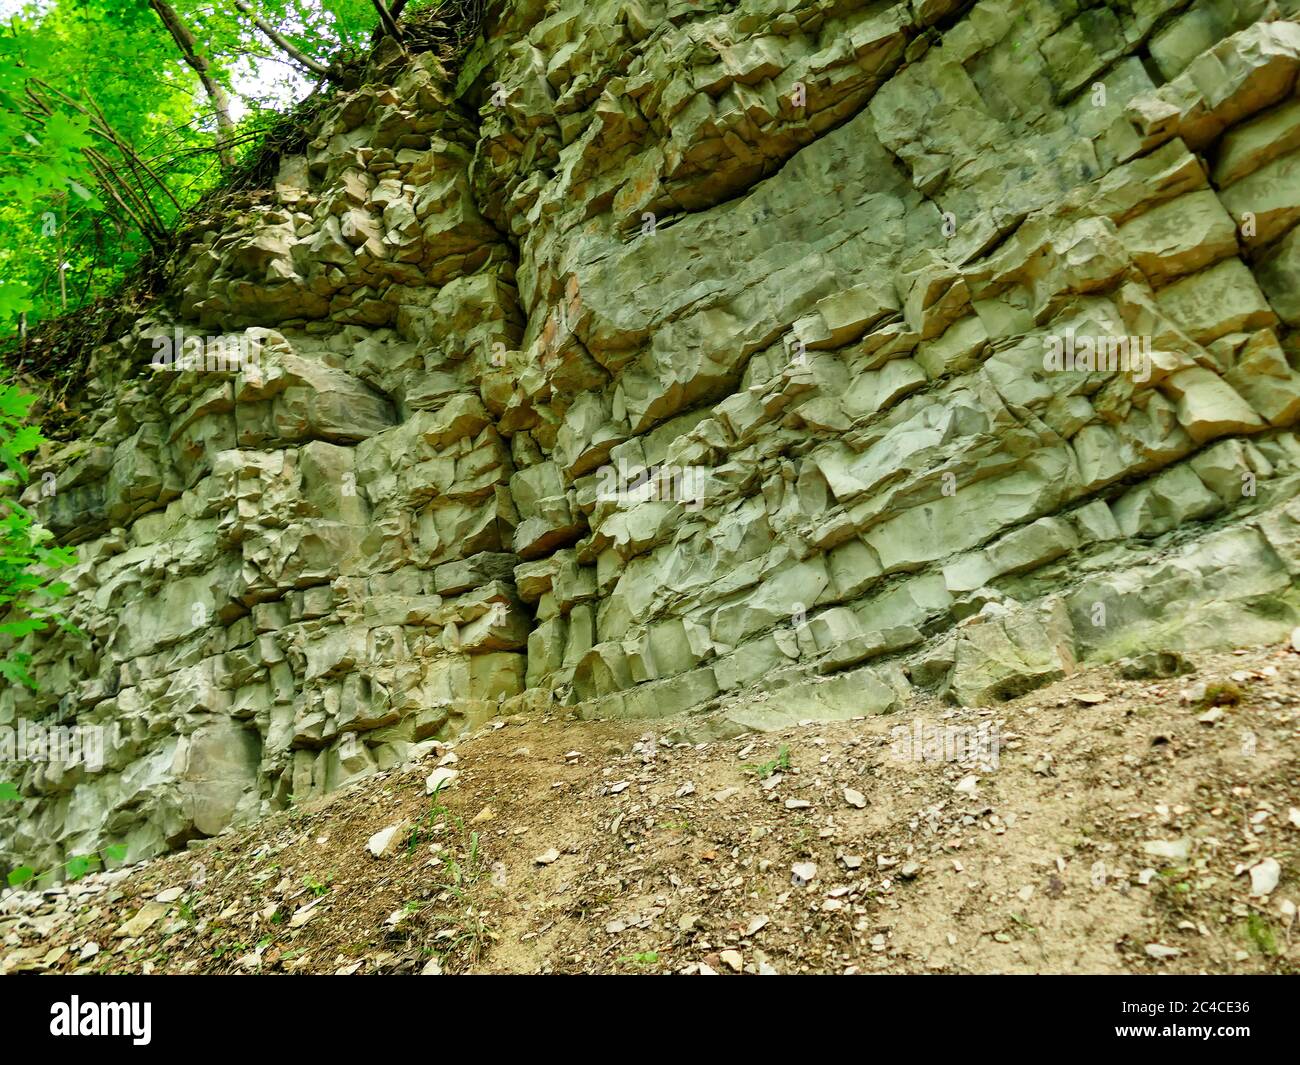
{"x": 765, "y": 363}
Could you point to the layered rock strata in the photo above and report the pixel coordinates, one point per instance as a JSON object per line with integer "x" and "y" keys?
{"x": 764, "y": 361}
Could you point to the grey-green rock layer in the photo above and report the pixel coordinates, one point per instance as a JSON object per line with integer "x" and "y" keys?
{"x": 802, "y": 260}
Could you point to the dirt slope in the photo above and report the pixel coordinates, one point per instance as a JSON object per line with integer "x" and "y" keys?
{"x": 1121, "y": 831}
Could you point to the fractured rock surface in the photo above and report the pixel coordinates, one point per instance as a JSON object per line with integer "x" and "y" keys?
{"x": 767, "y": 364}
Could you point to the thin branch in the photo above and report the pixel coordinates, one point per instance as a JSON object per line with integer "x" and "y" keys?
{"x": 278, "y": 39}
{"x": 132, "y": 157}
{"x": 140, "y": 223}
{"x": 152, "y": 226}
{"x": 395, "y": 11}
{"x": 144, "y": 214}
{"x": 389, "y": 22}
{"x": 157, "y": 228}
{"x": 107, "y": 177}
{"x": 102, "y": 128}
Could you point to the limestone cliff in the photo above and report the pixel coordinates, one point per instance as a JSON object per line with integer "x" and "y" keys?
{"x": 958, "y": 341}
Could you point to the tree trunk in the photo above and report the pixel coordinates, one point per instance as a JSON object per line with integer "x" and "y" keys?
{"x": 220, "y": 102}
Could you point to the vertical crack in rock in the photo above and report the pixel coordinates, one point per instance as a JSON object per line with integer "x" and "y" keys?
{"x": 749, "y": 365}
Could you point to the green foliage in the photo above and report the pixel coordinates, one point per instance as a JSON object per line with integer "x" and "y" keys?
{"x": 1260, "y": 933}
{"x": 781, "y": 762}
{"x": 74, "y": 868}
{"x": 107, "y": 138}
{"x": 51, "y": 212}
{"x": 648, "y": 957}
